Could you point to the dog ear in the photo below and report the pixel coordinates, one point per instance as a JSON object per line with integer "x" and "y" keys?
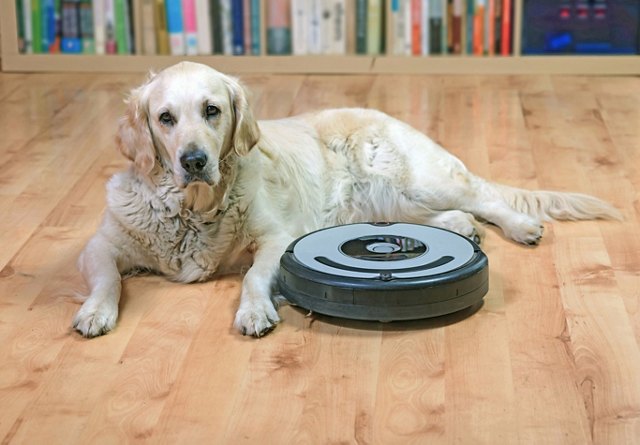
{"x": 246, "y": 132}
{"x": 134, "y": 138}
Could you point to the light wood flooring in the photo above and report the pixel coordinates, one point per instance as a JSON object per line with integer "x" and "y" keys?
{"x": 552, "y": 357}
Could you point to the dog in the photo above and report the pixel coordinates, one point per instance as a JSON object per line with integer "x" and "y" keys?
{"x": 208, "y": 186}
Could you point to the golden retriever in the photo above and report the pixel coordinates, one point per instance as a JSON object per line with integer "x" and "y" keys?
{"x": 208, "y": 183}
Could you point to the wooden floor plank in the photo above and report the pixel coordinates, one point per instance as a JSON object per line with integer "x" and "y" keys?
{"x": 551, "y": 357}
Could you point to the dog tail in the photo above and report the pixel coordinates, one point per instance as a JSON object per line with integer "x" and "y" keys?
{"x": 557, "y": 205}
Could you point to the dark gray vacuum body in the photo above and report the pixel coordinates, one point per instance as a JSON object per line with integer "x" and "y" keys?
{"x": 384, "y": 272}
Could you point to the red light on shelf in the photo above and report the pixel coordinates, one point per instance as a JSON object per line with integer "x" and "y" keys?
{"x": 565, "y": 12}
{"x": 582, "y": 11}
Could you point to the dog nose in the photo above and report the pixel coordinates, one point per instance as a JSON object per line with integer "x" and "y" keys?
{"x": 193, "y": 161}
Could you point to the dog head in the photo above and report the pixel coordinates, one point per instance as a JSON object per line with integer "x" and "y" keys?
{"x": 191, "y": 117}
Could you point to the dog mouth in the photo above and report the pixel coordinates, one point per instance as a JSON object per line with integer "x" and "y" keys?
{"x": 195, "y": 178}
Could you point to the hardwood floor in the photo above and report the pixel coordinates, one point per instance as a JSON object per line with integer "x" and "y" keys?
{"x": 552, "y": 357}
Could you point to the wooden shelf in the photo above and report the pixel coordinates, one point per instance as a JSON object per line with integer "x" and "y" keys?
{"x": 13, "y": 61}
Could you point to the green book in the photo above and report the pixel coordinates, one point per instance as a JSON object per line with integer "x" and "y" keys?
{"x": 36, "y": 26}
{"x": 361, "y": 26}
{"x": 121, "y": 29}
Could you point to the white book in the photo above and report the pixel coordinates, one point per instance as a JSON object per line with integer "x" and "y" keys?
{"x": 299, "y": 26}
{"x": 227, "y": 27}
{"x": 408, "y": 37}
{"x": 326, "y": 19}
{"x": 338, "y": 28}
{"x": 314, "y": 42}
{"x": 148, "y": 27}
{"x": 28, "y": 31}
{"x": 424, "y": 23}
{"x": 203, "y": 25}
{"x": 99, "y": 35}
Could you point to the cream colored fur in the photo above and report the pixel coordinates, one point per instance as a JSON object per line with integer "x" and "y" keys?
{"x": 267, "y": 183}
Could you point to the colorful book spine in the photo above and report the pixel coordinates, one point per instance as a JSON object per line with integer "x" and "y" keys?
{"x": 175, "y": 27}
{"x": 339, "y": 28}
{"x": 325, "y": 19}
{"x": 497, "y": 43}
{"x": 86, "y": 27}
{"x": 189, "y": 27}
{"x": 110, "y": 27}
{"x": 36, "y": 28}
{"x": 478, "y": 28}
{"x": 71, "y": 41}
{"x": 278, "y": 27}
{"x": 469, "y": 26}
{"x": 203, "y": 26}
{"x": 246, "y": 26}
{"x": 47, "y": 24}
{"x": 416, "y": 27}
{"x": 148, "y": 27}
{"x": 457, "y": 26}
{"x": 20, "y": 25}
{"x": 256, "y": 28}
{"x": 216, "y": 26}
{"x": 449, "y": 22}
{"x": 160, "y": 24}
{"x": 361, "y": 26}
{"x": 226, "y": 23}
{"x": 314, "y": 27}
{"x": 505, "y": 49}
{"x": 425, "y": 24}
{"x": 490, "y": 36}
{"x": 120, "y": 26}
{"x": 374, "y": 26}
{"x": 27, "y": 29}
{"x": 98, "y": 26}
{"x": 54, "y": 25}
{"x": 237, "y": 17}
{"x": 299, "y": 26}
{"x": 435, "y": 26}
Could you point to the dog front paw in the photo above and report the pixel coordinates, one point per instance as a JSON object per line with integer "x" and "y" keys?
{"x": 92, "y": 321}
{"x": 256, "y": 319}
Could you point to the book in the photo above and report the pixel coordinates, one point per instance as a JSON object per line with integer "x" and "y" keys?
{"x": 189, "y": 27}
{"x": 497, "y": 43}
{"x": 326, "y": 17}
{"x": 98, "y": 26}
{"x": 449, "y": 30}
{"x": 27, "y": 35}
{"x": 416, "y": 27}
{"x": 490, "y": 27}
{"x": 237, "y": 26}
{"x": 71, "y": 41}
{"x": 314, "y": 27}
{"x": 36, "y": 28}
{"x": 148, "y": 27}
{"x": 478, "y": 28}
{"x": 374, "y": 26}
{"x": 226, "y": 23}
{"x": 505, "y": 41}
{"x": 468, "y": 44}
{"x": 121, "y": 26}
{"x": 203, "y": 27}
{"x": 47, "y": 24}
{"x": 86, "y": 27}
{"x": 246, "y": 26}
{"x": 256, "y": 28}
{"x": 54, "y": 26}
{"x": 339, "y": 28}
{"x": 299, "y": 26}
{"x": 109, "y": 27}
{"x": 216, "y": 26}
{"x": 435, "y": 26}
{"x": 361, "y": 26}
{"x": 20, "y": 25}
{"x": 425, "y": 24}
{"x": 160, "y": 24}
{"x": 350, "y": 31}
{"x": 175, "y": 28}
{"x": 457, "y": 26}
{"x": 278, "y": 27}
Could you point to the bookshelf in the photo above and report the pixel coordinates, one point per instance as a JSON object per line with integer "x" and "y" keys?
{"x": 13, "y": 61}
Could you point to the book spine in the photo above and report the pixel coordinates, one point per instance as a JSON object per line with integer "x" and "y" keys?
{"x": 71, "y": 42}
{"x": 36, "y": 28}
{"x": 278, "y": 27}
{"x": 226, "y": 24}
{"x": 27, "y": 28}
{"x": 491, "y": 27}
{"x": 497, "y": 43}
{"x": 237, "y": 17}
{"x": 86, "y": 27}
{"x": 246, "y": 26}
{"x": 506, "y": 28}
{"x": 416, "y": 27}
{"x": 98, "y": 26}
{"x": 121, "y": 32}
{"x": 55, "y": 27}
{"x": 175, "y": 27}
{"x": 160, "y": 24}
{"x": 148, "y": 27}
{"x": 189, "y": 27}
{"x": 426, "y": 30}
{"x": 20, "y": 25}
{"x": 339, "y": 28}
{"x": 216, "y": 26}
{"x": 469, "y": 26}
{"x": 46, "y": 21}
{"x": 314, "y": 27}
{"x": 478, "y": 28}
{"x": 326, "y": 17}
{"x": 109, "y": 27}
{"x": 456, "y": 26}
{"x": 374, "y": 26}
{"x": 435, "y": 27}
{"x": 361, "y": 26}
{"x": 299, "y": 26}
{"x": 203, "y": 26}
{"x": 449, "y": 21}
{"x": 256, "y": 28}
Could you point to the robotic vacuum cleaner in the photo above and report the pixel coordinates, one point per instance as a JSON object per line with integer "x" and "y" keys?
{"x": 384, "y": 272}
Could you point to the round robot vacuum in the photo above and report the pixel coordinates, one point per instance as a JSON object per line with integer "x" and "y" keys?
{"x": 384, "y": 272}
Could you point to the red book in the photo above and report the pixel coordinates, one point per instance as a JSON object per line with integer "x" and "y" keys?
{"x": 478, "y": 30}
{"x": 490, "y": 45}
{"x": 416, "y": 22}
{"x": 506, "y": 27}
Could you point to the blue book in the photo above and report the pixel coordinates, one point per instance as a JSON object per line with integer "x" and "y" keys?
{"x": 255, "y": 27}
{"x": 470, "y": 14}
{"x": 175, "y": 28}
{"x": 237, "y": 20}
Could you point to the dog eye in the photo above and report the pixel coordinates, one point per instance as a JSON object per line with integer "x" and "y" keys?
{"x": 166, "y": 119}
{"x": 212, "y": 111}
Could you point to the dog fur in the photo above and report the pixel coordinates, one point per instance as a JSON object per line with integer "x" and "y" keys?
{"x": 209, "y": 185}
